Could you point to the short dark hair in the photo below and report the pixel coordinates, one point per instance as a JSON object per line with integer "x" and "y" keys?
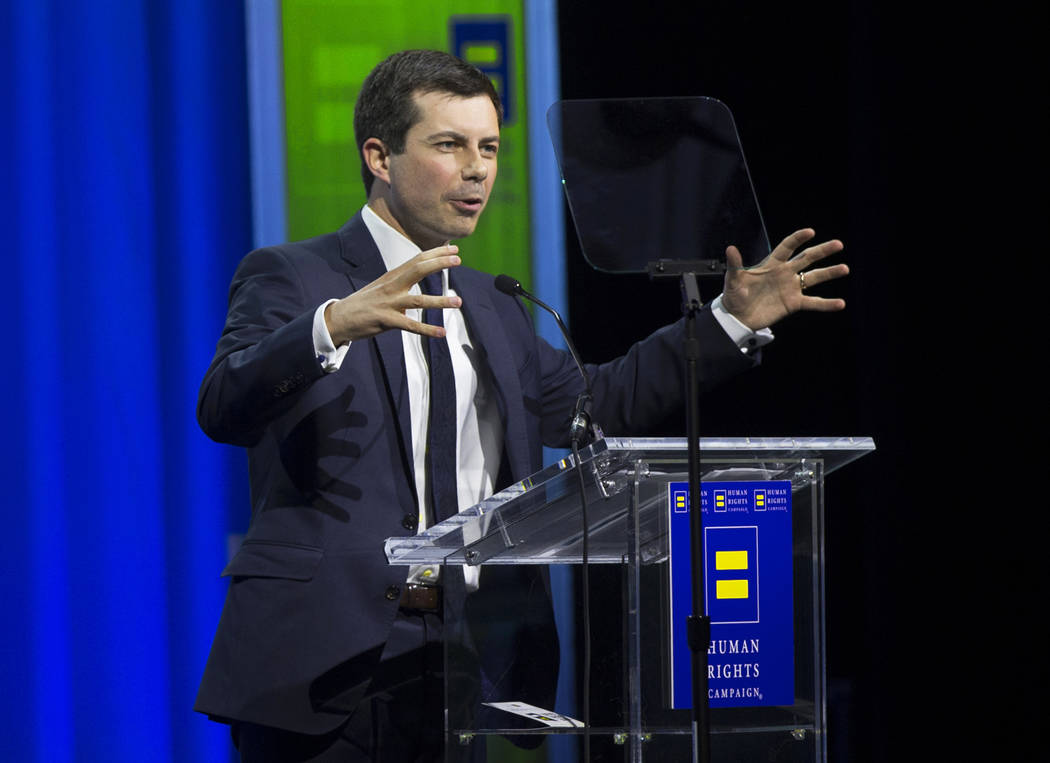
{"x": 385, "y": 107}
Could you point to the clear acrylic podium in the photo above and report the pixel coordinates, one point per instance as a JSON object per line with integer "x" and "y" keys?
{"x": 538, "y": 522}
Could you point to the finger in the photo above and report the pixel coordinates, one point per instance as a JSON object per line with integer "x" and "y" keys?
{"x": 429, "y": 262}
{"x": 423, "y": 329}
{"x": 816, "y": 253}
{"x": 790, "y": 245}
{"x": 436, "y": 259}
{"x": 822, "y": 305}
{"x": 425, "y": 263}
{"x": 429, "y": 302}
{"x": 438, "y": 251}
{"x": 734, "y": 260}
{"x": 820, "y": 275}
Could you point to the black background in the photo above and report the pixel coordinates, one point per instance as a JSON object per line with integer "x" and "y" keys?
{"x": 916, "y": 137}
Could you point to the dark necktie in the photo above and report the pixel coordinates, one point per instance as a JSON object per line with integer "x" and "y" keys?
{"x": 441, "y": 429}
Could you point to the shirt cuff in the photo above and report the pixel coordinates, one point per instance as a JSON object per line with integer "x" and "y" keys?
{"x": 747, "y": 340}
{"x": 328, "y": 355}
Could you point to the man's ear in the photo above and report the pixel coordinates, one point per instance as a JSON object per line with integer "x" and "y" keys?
{"x": 376, "y": 157}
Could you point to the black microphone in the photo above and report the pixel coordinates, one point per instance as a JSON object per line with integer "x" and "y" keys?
{"x": 582, "y": 428}
{"x": 581, "y": 421}
{"x": 508, "y": 285}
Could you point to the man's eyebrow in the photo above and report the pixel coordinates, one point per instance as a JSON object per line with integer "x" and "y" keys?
{"x": 448, "y": 134}
{"x": 461, "y": 137}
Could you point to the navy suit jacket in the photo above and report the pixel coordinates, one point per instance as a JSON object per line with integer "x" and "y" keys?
{"x": 311, "y": 598}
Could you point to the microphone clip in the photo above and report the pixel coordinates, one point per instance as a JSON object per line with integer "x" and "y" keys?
{"x": 583, "y": 430}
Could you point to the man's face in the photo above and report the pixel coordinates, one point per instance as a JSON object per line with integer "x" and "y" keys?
{"x": 441, "y": 183}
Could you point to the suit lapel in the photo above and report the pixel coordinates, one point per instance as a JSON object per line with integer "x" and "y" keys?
{"x": 364, "y": 265}
{"x": 488, "y": 335}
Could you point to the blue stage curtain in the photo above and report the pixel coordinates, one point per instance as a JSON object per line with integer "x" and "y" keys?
{"x": 124, "y": 190}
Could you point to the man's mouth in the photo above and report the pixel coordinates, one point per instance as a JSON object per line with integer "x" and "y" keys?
{"x": 468, "y": 204}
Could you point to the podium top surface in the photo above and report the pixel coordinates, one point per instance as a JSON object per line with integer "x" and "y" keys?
{"x": 536, "y": 520}
{"x": 836, "y": 451}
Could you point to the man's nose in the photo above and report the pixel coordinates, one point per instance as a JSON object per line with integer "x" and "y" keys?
{"x": 475, "y": 168}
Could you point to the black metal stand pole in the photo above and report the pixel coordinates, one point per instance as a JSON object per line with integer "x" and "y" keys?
{"x": 698, "y": 624}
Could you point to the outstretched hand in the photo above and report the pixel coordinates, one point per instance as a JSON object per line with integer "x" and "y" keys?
{"x": 381, "y": 305}
{"x": 761, "y": 295}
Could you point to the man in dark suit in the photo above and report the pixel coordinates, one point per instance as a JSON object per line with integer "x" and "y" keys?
{"x": 370, "y": 407}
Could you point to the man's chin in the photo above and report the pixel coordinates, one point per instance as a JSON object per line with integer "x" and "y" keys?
{"x": 463, "y": 228}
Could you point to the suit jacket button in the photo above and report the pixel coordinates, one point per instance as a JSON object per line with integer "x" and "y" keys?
{"x": 393, "y": 593}
{"x": 410, "y": 522}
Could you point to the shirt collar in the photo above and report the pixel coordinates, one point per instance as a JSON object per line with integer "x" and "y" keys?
{"x": 394, "y": 248}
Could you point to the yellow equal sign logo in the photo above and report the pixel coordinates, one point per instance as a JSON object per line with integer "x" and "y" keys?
{"x": 720, "y": 500}
{"x": 731, "y": 589}
{"x": 760, "y": 500}
{"x": 680, "y": 497}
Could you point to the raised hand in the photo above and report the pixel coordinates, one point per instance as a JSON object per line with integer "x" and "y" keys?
{"x": 381, "y": 305}
{"x": 760, "y": 296}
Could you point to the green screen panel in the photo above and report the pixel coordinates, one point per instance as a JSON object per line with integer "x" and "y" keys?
{"x": 329, "y": 48}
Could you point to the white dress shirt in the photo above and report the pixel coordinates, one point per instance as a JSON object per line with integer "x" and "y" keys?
{"x": 479, "y": 427}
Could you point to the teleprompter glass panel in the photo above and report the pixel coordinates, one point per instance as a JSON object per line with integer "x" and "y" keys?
{"x": 651, "y": 179}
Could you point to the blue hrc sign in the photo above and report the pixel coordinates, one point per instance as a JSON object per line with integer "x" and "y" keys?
{"x": 748, "y": 592}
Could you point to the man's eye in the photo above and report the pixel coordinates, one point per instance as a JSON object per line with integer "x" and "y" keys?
{"x": 490, "y": 150}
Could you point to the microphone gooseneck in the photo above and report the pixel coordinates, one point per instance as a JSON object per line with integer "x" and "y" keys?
{"x": 582, "y": 426}
{"x": 581, "y": 430}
